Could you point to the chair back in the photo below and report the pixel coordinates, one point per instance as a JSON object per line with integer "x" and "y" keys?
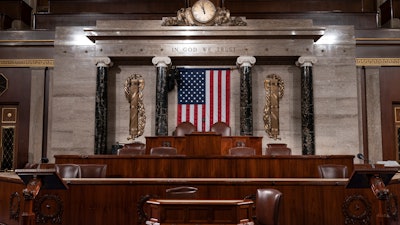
{"x": 68, "y": 170}
{"x": 333, "y": 171}
{"x": 93, "y": 170}
{"x": 163, "y": 150}
{"x": 131, "y": 151}
{"x": 134, "y": 145}
{"x": 182, "y": 192}
{"x": 268, "y": 203}
{"x": 242, "y": 151}
{"x": 184, "y": 128}
{"x": 221, "y": 128}
{"x": 278, "y": 149}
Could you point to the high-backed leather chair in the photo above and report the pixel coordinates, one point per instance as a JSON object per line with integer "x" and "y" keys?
{"x": 135, "y": 148}
{"x": 93, "y": 170}
{"x": 242, "y": 151}
{"x": 221, "y": 128}
{"x": 68, "y": 170}
{"x": 163, "y": 150}
{"x": 184, "y": 128}
{"x": 268, "y": 204}
{"x": 278, "y": 149}
{"x": 333, "y": 171}
{"x": 182, "y": 192}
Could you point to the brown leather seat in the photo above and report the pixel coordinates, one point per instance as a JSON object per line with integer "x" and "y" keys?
{"x": 93, "y": 170}
{"x": 182, "y": 192}
{"x": 135, "y": 148}
{"x": 184, "y": 128}
{"x": 221, "y": 128}
{"x": 268, "y": 203}
{"x": 333, "y": 171}
{"x": 68, "y": 170}
{"x": 278, "y": 149}
{"x": 242, "y": 151}
{"x": 163, "y": 150}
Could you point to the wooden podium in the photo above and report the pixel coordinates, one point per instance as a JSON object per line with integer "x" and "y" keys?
{"x": 376, "y": 179}
{"x": 35, "y": 179}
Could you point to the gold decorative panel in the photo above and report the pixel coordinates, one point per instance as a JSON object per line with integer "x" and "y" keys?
{"x": 9, "y": 115}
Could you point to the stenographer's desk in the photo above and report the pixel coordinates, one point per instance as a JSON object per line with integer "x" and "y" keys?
{"x": 200, "y": 211}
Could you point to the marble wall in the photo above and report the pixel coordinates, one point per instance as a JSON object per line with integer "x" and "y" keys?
{"x": 73, "y": 86}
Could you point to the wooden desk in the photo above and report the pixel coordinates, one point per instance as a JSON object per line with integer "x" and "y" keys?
{"x": 204, "y": 143}
{"x": 195, "y": 211}
{"x": 147, "y": 166}
{"x": 104, "y": 201}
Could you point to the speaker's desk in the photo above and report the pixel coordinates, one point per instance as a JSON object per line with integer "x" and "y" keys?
{"x": 204, "y": 143}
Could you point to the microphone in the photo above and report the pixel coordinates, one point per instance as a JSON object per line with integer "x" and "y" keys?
{"x": 361, "y": 156}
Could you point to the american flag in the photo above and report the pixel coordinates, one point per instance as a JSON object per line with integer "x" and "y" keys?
{"x": 203, "y": 96}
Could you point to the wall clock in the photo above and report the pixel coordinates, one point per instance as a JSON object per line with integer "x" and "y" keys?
{"x": 203, "y": 11}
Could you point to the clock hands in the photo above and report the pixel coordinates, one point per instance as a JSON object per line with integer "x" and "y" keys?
{"x": 202, "y": 7}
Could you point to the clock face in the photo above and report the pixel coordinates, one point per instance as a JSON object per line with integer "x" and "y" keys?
{"x": 203, "y": 11}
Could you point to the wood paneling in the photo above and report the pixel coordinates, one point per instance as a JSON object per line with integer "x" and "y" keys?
{"x": 390, "y": 94}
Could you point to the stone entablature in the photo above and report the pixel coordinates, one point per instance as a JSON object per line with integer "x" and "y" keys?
{"x": 147, "y": 38}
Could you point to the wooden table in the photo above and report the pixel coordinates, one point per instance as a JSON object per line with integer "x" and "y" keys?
{"x": 195, "y": 211}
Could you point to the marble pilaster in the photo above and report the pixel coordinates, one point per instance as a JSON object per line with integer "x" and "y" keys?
{"x": 161, "y": 113}
{"x": 246, "y": 104}
{"x": 307, "y": 105}
{"x": 100, "y": 136}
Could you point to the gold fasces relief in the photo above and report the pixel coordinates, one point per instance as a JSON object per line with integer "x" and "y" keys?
{"x": 134, "y": 86}
{"x": 274, "y": 90}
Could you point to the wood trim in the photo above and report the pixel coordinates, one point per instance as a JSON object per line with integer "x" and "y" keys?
{"x": 378, "y": 61}
{"x": 26, "y": 62}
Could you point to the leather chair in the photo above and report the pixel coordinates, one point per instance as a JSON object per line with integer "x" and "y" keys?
{"x": 163, "y": 150}
{"x": 135, "y": 148}
{"x": 333, "y": 171}
{"x": 221, "y": 128}
{"x": 278, "y": 149}
{"x": 268, "y": 206}
{"x": 182, "y": 192}
{"x": 68, "y": 170}
{"x": 93, "y": 170}
{"x": 184, "y": 128}
{"x": 242, "y": 151}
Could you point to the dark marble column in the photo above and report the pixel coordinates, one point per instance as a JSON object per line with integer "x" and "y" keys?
{"x": 161, "y": 95}
{"x": 246, "y": 104}
{"x": 307, "y": 105}
{"x": 100, "y": 135}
